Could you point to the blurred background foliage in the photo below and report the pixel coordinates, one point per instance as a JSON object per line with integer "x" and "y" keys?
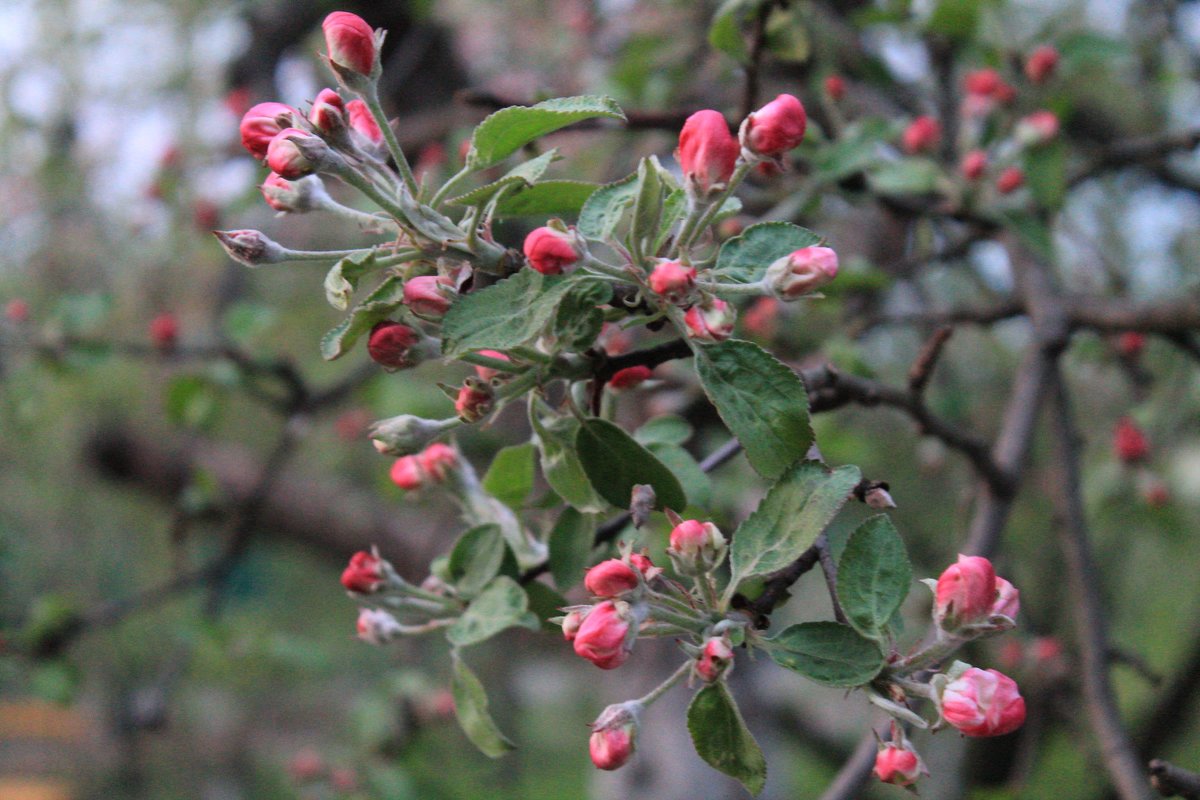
{"x": 119, "y": 152}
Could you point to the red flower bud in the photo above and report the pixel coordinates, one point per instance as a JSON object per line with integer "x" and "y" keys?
{"x": 1046, "y": 649}
{"x": 16, "y": 311}
{"x": 672, "y": 280}
{"x": 389, "y": 344}
{"x": 306, "y": 765}
{"x": 363, "y": 123}
{"x": 1156, "y": 494}
{"x": 350, "y": 42}
{"x": 376, "y": 626}
{"x": 487, "y": 373}
{"x": 801, "y": 272}
{"x": 715, "y": 659}
{"x": 965, "y": 593}
{"x": 285, "y": 156}
{"x": 984, "y": 82}
{"x": 775, "y": 128}
{"x": 983, "y": 703}
{"x": 1010, "y": 180}
{"x": 1131, "y": 344}
{"x": 474, "y": 400}
{"x": 611, "y": 578}
{"x": 973, "y": 164}
{"x": 550, "y": 251}
{"x": 429, "y": 295}
{"x": 898, "y": 765}
{"x": 645, "y": 566}
{"x": 164, "y": 331}
{"x": 696, "y": 547}
{"x": 1008, "y": 600}
{"x": 606, "y": 636}
{"x": 1129, "y": 443}
{"x": 364, "y": 575}
{"x": 614, "y": 736}
{"x": 707, "y": 152}
{"x": 1041, "y": 64}
{"x": 282, "y": 194}
{"x": 261, "y": 124}
{"x": 835, "y": 87}
{"x": 710, "y": 321}
{"x": 438, "y": 461}
{"x": 762, "y": 318}
{"x": 922, "y": 135}
{"x": 1037, "y": 128}
{"x": 407, "y": 473}
{"x": 629, "y": 377}
{"x": 328, "y": 111}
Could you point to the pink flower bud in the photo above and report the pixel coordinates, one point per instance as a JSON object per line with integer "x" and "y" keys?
{"x": 261, "y": 124}
{"x": 251, "y": 248}
{"x": 696, "y": 547}
{"x": 607, "y": 634}
{"x": 363, "y": 123}
{"x": 1046, "y": 649}
{"x": 306, "y": 765}
{"x": 983, "y": 703}
{"x": 707, "y": 153}
{"x": 801, "y": 272}
{"x": 16, "y": 311}
{"x": 710, "y": 321}
{"x": 965, "y": 593}
{"x": 1037, "y": 128}
{"x": 1129, "y": 443}
{"x": 898, "y": 765}
{"x": 376, "y": 626}
{"x": 572, "y": 621}
{"x": 293, "y": 197}
{"x": 407, "y": 473}
{"x": 614, "y": 736}
{"x": 1010, "y": 180}
{"x": 1008, "y": 600}
{"x": 629, "y": 377}
{"x": 1156, "y": 494}
{"x": 429, "y": 296}
{"x": 973, "y": 164}
{"x": 922, "y": 135}
{"x": 835, "y": 87}
{"x": 328, "y": 111}
{"x": 438, "y": 461}
{"x": 350, "y": 42}
{"x": 487, "y": 373}
{"x": 474, "y": 400}
{"x": 672, "y": 280}
{"x": 762, "y": 318}
{"x": 715, "y": 659}
{"x": 343, "y": 780}
{"x": 164, "y": 331}
{"x": 286, "y": 156}
{"x": 1006, "y": 95}
{"x": 1041, "y": 64}
{"x": 645, "y": 566}
{"x": 611, "y": 578}
{"x": 775, "y": 128}
{"x": 389, "y": 344}
{"x": 1131, "y": 344}
{"x": 984, "y": 82}
{"x": 550, "y": 251}
{"x": 364, "y": 575}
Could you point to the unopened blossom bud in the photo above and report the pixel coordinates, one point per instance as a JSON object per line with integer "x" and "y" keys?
{"x": 292, "y": 197}
{"x": 16, "y": 311}
{"x": 429, "y": 296}
{"x": 716, "y": 656}
{"x": 1129, "y": 443}
{"x": 973, "y": 165}
{"x": 611, "y": 578}
{"x": 1046, "y": 649}
{"x": 614, "y": 736}
{"x": 328, "y": 112}
{"x": 630, "y": 377}
{"x": 390, "y": 343}
{"x": 607, "y": 634}
{"x": 164, "y": 331}
{"x": 288, "y": 155}
{"x": 982, "y": 82}
{"x": 879, "y": 498}
{"x": 922, "y": 135}
{"x": 474, "y": 400}
{"x": 696, "y": 547}
{"x": 645, "y": 566}
{"x": 363, "y": 123}
{"x": 801, "y": 272}
{"x": 407, "y": 473}
{"x": 376, "y": 626}
{"x": 261, "y": 123}
{"x": 707, "y": 153}
{"x": 1041, "y": 64}
{"x": 1008, "y": 600}
{"x": 364, "y": 574}
{"x": 487, "y": 373}
{"x": 572, "y": 621}
{"x": 1006, "y": 95}
{"x": 711, "y": 320}
{"x": 1131, "y": 344}
{"x": 1155, "y": 493}
{"x": 343, "y": 780}
{"x": 438, "y": 461}
{"x": 835, "y": 87}
{"x": 252, "y": 248}
{"x": 672, "y": 280}
{"x": 775, "y": 128}
{"x": 965, "y": 593}
{"x": 1037, "y": 128}
{"x": 306, "y": 765}
{"x": 350, "y": 42}
{"x": 761, "y": 320}
{"x": 406, "y": 434}
{"x": 898, "y": 764}
{"x": 550, "y": 251}
{"x": 983, "y": 703}
{"x": 1010, "y": 180}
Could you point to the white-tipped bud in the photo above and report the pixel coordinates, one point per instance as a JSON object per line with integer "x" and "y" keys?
{"x": 252, "y": 248}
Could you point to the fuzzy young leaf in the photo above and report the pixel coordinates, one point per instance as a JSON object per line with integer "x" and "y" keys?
{"x": 602, "y": 212}
{"x": 509, "y": 129}
{"x": 579, "y": 320}
{"x": 828, "y": 653}
{"x": 745, "y": 258}
{"x": 560, "y": 463}
{"x": 193, "y": 401}
{"x": 790, "y": 518}
{"x": 476, "y": 558}
{"x": 546, "y": 199}
{"x": 909, "y": 176}
{"x": 342, "y": 280}
{"x": 873, "y": 576}
{"x": 764, "y": 404}
{"x": 652, "y": 186}
{"x": 571, "y": 547}
{"x": 615, "y": 463}
{"x": 510, "y": 477}
{"x": 471, "y": 708}
{"x": 376, "y": 308}
{"x": 721, "y": 738}
{"x": 725, "y": 32}
{"x": 503, "y": 604}
{"x": 525, "y": 174}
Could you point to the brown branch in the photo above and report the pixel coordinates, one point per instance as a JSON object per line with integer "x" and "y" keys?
{"x": 1145, "y": 150}
{"x": 952, "y": 316}
{"x": 1171, "y": 781}
{"x": 1169, "y": 714}
{"x": 758, "y": 46}
{"x": 1113, "y": 315}
{"x": 922, "y": 368}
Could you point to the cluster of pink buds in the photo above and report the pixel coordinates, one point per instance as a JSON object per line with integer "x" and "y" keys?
{"x": 1037, "y": 128}
{"x": 985, "y": 89}
{"x": 431, "y": 466}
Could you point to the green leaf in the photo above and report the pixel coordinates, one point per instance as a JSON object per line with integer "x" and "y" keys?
{"x": 471, "y": 708}
{"x": 579, "y": 320}
{"x": 192, "y": 401}
{"x": 956, "y": 19}
{"x": 667, "y": 429}
{"x": 606, "y": 206}
{"x": 560, "y": 463}
{"x": 745, "y": 258}
{"x": 571, "y": 547}
{"x": 1033, "y": 232}
{"x": 787, "y": 35}
{"x": 476, "y": 558}
{"x": 615, "y": 463}
{"x": 509, "y": 129}
{"x": 873, "y": 576}
{"x": 857, "y": 149}
{"x": 828, "y": 653}
{"x": 908, "y": 176}
{"x": 762, "y": 402}
{"x": 510, "y": 477}
{"x": 545, "y": 603}
{"x": 1046, "y": 173}
{"x": 546, "y": 199}
{"x": 696, "y": 484}
{"x": 525, "y": 174}
{"x": 377, "y": 307}
{"x": 721, "y": 738}
{"x": 789, "y": 518}
{"x": 725, "y": 33}
{"x": 648, "y": 204}
{"x": 342, "y": 280}
{"x": 503, "y": 604}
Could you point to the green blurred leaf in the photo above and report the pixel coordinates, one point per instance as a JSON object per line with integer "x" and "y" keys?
{"x": 545, "y": 603}
{"x": 510, "y": 477}
{"x": 956, "y": 19}
{"x": 524, "y": 174}
{"x": 509, "y": 129}
{"x": 560, "y": 463}
{"x": 193, "y": 401}
{"x": 1033, "y": 232}
{"x": 378, "y": 306}
{"x": 857, "y": 149}
{"x": 615, "y": 463}
{"x": 828, "y": 653}
{"x": 667, "y": 429}
{"x": 696, "y": 484}
{"x": 721, "y": 738}
{"x": 787, "y": 36}
{"x": 502, "y": 605}
{"x": 873, "y": 576}
{"x": 745, "y": 258}
{"x": 245, "y": 320}
{"x": 725, "y": 32}
{"x": 471, "y": 708}
{"x": 1046, "y": 173}
{"x": 571, "y": 547}
{"x": 546, "y": 199}
{"x": 476, "y": 559}
{"x": 908, "y": 176}
{"x": 342, "y": 279}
